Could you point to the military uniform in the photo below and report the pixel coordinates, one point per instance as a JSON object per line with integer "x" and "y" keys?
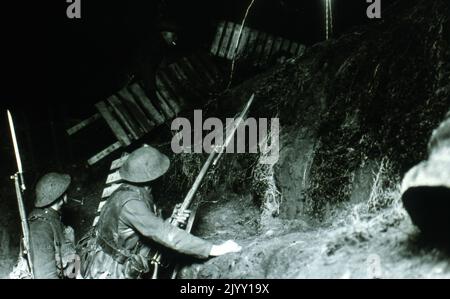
{"x": 118, "y": 250}
{"x": 50, "y": 247}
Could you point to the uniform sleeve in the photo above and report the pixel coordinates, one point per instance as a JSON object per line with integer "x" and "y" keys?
{"x": 136, "y": 214}
{"x": 43, "y": 250}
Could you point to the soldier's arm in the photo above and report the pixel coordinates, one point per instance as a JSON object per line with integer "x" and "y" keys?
{"x": 43, "y": 250}
{"x": 136, "y": 214}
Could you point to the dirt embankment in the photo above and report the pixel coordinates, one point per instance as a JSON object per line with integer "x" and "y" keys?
{"x": 356, "y": 113}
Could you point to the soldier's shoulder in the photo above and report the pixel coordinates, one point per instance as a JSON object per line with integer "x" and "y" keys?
{"x": 125, "y": 193}
{"x": 40, "y": 225}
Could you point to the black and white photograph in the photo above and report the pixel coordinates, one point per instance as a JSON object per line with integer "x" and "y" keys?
{"x": 213, "y": 140}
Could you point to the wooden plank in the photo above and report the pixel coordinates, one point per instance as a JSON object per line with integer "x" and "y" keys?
{"x": 224, "y": 45}
{"x": 277, "y": 46}
{"x": 199, "y": 77}
{"x": 181, "y": 76}
{"x": 234, "y": 43}
{"x": 198, "y": 82}
{"x": 294, "y": 48}
{"x": 183, "y": 80}
{"x": 267, "y": 49}
{"x": 110, "y": 190}
{"x": 258, "y": 55}
{"x": 301, "y": 50}
{"x": 251, "y": 44}
{"x": 163, "y": 92}
{"x": 208, "y": 66}
{"x": 105, "y": 153}
{"x": 83, "y": 124}
{"x": 172, "y": 96}
{"x": 286, "y": 45}
{"x": 243, "y": 42}
{"x": 125, "y": 118}
{"x": 164, "y": 106}
{"x": 118, "y": 163}
{"x": 198, "y": 65}
{"x": 113, "y": 178}
{"x": 136, "y": 111}
{"x": 147, "y": 104}
{"x": 101, "y": 205}
{"x": 115, "y": 126}
{"x": 94, "y": 223}
{"x": 218, "y": 38}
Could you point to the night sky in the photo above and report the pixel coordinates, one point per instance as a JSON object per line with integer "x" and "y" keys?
{"x": 51, "y": 63}
{"x": 52, "y": 58}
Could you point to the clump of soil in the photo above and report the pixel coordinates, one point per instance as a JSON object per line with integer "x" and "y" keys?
{"x": 227, "y": 216}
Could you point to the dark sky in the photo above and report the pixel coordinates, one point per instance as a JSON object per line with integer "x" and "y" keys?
{"x": 48, "y": 56}
{"x": 50, "y": 63}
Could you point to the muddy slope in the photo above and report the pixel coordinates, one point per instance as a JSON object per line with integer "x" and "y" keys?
{"x": 356, "y": 114}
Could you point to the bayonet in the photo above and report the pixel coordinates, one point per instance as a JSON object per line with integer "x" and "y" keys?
{"x": 20, "y": 188}
{"x": 16, "y": 151}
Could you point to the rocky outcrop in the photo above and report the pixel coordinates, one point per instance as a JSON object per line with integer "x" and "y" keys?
{"x": 426, "y": 187}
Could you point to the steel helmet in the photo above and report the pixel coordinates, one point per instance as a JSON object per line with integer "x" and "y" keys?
{"x": 50, "y": 187}
{"x": 144, "y": 165}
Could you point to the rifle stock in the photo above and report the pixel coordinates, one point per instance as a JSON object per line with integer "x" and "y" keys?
{"x": 24, "y": 224}
{"x": 19, "y": 184}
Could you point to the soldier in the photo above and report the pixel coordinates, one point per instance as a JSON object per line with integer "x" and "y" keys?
{"x": 52, "y": 245}
{"x": 129, "y": 229}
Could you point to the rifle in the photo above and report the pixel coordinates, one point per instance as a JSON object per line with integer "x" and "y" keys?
{"x": 20, "y": 188}
{"x": 213, "y": 159}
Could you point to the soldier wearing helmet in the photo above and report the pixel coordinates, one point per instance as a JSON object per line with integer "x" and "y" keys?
{"x": 129, "y": 229}
{"x": 52, "y": 244}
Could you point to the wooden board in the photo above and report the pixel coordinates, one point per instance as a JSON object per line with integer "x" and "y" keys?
{"x": 206, "y": 67}
{"x": 94, "y": 223}
{"x": 110, "y": 149}
{"x": 294, "y": 48}
{"x": 83, "y": 124}
{"x": 184, "y": 80}
{"x": 199, "y": 85}
{"x": 115, "y": 126}
{"x": 301, "y": 50}
{"x": 256, "y": 46}
{"x": 224, "y": 44}
{"x": 147, "y": 104}
{"x": 118, "y": 163}
{"x": 243, "y": 42}
{"x": 218, "y": 38}
{"x": 286, "y": 45}
{"x": 165, "y": 108}
{"x": 252, "y": 43}
{"x": 234, "y": 43}
{"x": 267, "y": 49}
{"x": 172, "y": 97}
{"x": 260, "y": 43}
{"x": 110, "y": 190}
{"x": 100, "y": 206}
{"x": 277, "y": 46}
{"x": 181, "y": 75}
{"x": 113, "y": 178}
{"x": 136, "y": 111}
{"x": 125, "y": 118}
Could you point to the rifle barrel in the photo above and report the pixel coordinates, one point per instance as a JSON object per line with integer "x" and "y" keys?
{"x": 24, "y": 224}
